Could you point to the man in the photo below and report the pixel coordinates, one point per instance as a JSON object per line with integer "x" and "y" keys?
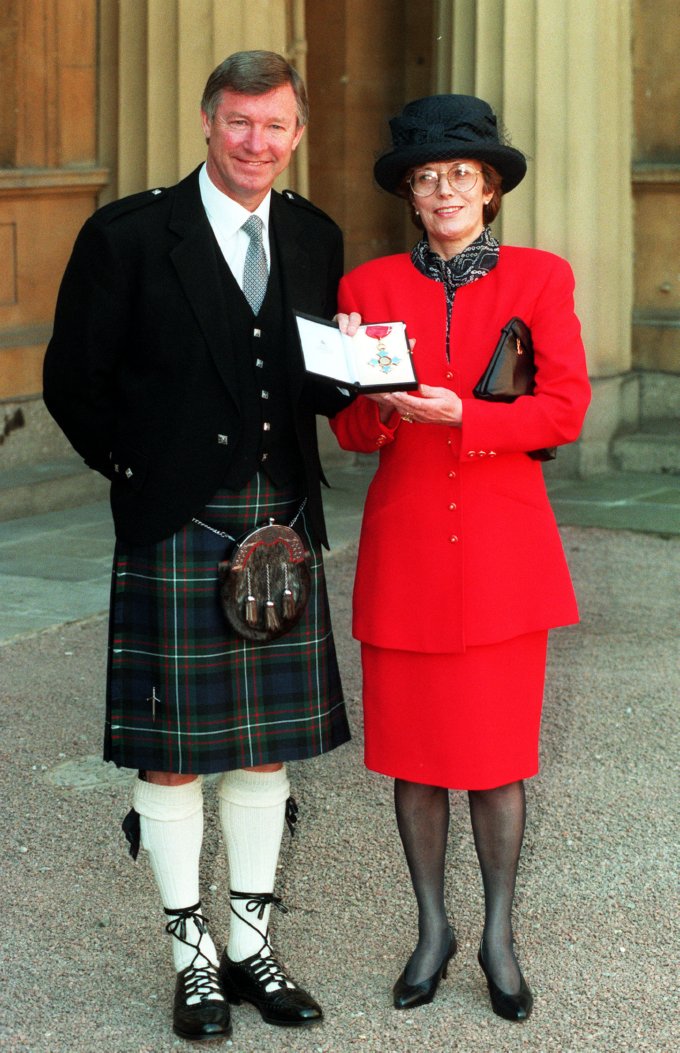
{"x": 174, "y": 370}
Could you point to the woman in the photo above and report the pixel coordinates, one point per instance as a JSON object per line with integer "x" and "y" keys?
{"x": 461, "y": 571}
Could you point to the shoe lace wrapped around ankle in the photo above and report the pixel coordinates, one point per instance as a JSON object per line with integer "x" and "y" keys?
{"x": 265, "y": 966}
{"x": 200, "y": 981}
{"x": 177, "y": 926}
{"x": 256, "y": 901}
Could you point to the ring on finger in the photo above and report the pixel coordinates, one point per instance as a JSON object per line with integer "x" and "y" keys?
{"x": 407, "y": 417}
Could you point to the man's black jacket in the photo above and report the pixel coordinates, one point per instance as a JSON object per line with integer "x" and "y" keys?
{"x": 140, "y": 371}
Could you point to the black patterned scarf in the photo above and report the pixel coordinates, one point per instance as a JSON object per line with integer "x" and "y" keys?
{"x": 472, "y": 263}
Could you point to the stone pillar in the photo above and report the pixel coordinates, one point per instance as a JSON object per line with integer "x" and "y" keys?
{"x": 559, "y": 74}
{"x": 155, "y": 57}
{"x": 380, "y": 56}
{"x": 656, "y": 186}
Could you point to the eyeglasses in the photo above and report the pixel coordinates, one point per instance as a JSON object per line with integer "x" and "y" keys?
{"x": 460, "y": 177}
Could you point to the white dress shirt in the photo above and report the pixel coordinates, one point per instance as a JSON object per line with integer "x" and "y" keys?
{"x": 226, "y": 218}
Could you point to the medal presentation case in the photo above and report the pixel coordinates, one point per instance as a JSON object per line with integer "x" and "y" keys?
{"x": 376, "y": 358}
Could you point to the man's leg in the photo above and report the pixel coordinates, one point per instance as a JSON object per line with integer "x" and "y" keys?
{"x": 252, "y": 805}
{"x": 171, "y": 823}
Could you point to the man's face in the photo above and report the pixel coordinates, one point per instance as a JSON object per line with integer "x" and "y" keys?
{"x": 251, "y": 140}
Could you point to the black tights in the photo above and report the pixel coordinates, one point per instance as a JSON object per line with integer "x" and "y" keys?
{"x": 497, "y": 818}
{"x": 423, "y": 821}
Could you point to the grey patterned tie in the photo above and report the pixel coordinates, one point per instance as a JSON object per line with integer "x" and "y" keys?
{"x": 255, "y": 273}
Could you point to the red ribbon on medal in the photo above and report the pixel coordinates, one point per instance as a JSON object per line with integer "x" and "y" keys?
{"x": 378, "y": 332}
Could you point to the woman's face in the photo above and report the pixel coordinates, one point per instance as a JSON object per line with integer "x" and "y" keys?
{"x": 452, "y": 218}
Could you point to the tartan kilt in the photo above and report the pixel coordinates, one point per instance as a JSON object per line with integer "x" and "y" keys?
{"x": 185, "y": 693}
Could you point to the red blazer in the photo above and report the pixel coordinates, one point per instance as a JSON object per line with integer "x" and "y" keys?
{"x": 459, "y": 545}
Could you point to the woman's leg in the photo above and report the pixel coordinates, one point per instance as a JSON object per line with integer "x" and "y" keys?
{"x": 498, "y": 818}
{"x": 423, "y": 822}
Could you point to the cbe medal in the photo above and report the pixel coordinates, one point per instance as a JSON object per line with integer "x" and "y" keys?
{"x": 381, "y": 359}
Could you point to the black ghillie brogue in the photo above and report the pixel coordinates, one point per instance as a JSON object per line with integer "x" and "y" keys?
{"x": 200, "y": 1011}
{"x": 263, "y": 981}
{"x": 208, "y": 1017}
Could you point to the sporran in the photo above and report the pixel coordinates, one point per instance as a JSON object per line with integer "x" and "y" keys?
{"x": 264, "y": 586}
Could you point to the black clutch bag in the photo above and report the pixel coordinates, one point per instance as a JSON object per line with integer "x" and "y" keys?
{"x": 511, "y": 372}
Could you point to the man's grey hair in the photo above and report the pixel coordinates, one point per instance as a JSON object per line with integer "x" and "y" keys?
{"x": 254, "y": 73}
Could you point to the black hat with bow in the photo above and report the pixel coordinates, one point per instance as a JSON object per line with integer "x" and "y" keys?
{"x": 442, "y": 128}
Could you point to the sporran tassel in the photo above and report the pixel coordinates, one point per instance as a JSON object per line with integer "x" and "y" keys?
{"x": 251, "y": 605}
{"x": 288, "y": 599}
{"x": 271, "y": 617}
{"x": 288, "y": 605}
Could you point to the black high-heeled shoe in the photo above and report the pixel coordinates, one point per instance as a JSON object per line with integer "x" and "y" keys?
{"x": 510, "y": 1007}
{"x": 407, "y": 996}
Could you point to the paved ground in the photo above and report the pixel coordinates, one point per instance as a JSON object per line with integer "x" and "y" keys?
{"x": 84, "y": 965}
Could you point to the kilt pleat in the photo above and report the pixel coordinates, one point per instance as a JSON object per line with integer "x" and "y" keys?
{"x": 185, "y": 693}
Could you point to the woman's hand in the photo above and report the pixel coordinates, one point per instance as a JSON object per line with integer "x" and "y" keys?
{"x": 384, "y": 401}
{"x": 348, "y": 323}
{"x": 431, "y": 406}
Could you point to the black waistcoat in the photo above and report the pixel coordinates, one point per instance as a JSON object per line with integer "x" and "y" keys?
{"x": 267, "y": 439}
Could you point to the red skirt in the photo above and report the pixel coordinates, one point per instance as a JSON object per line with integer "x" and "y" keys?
{"x": 466, "y": 721}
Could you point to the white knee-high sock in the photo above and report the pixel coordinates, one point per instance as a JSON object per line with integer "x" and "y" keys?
{"x": 171, "y": 822}
{"x": 252, "y": 813}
